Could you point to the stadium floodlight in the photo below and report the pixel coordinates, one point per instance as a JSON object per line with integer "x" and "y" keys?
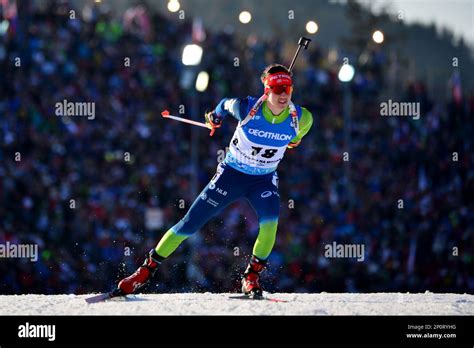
{"x": 312, "y": 27}
{"x": 378, "y": 37}
{"x": 245, "y": 17}
{"x": 192, "y": 54}
{"x": 4, "y": 26}
{"x": 202, "y": 81}
{"x": 346, "y": 73}
{"x": 173, "y": 5}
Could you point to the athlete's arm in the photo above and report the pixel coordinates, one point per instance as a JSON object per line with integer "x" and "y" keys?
{"x": 306, "y": 121}
{"x": 236, "y": 107}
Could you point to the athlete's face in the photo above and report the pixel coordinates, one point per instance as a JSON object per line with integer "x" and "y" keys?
{"x": 280, "y": 101}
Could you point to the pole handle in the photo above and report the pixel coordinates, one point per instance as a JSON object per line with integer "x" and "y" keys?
{"x": 304, "y": 41}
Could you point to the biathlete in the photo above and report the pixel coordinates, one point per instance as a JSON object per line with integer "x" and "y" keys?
{"x": 267, "y": 127}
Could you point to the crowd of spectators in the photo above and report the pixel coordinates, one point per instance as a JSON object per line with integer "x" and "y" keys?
{"x": 405, "y": 193}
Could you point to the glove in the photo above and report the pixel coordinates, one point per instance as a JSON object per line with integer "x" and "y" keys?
{"x": 214, "y": 120}
{"x": 292, "y": 145}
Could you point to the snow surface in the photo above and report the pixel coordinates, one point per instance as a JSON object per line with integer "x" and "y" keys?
{"x": 223, "y": 304}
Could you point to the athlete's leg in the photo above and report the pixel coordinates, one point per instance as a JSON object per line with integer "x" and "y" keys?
{"x": 222, "y": 190}
{"x": 265, "y": 199}
{"x": 225, "y": 187}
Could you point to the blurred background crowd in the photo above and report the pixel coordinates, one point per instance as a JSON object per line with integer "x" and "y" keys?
{"x": 97, "y": 194}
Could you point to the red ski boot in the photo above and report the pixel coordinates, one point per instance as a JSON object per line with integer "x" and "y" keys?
{"x": 142, "y": 275}
{"x": 250, "y": 281}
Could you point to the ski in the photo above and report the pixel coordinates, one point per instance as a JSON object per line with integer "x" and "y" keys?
{"x": 105, "y": 296}
{"x": 257, "y": 298}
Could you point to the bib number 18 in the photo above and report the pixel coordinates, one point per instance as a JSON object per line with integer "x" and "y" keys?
{"x": 268, "y": 153}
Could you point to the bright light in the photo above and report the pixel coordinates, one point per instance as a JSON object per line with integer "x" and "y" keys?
{"x": 311, "y": 27}
{"x": 192, "y": 55}
{"x": 173, "y": 5}
{"x": 202, "y": 81}
{"x": 245, "y": 17}
{"x": 346, "y": 73}
{"x": 377, "y": 36}
{"x": 4, "y": 26}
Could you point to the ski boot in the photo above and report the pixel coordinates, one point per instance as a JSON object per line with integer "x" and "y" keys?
{"x": 250, "y": 281}
{"x": 142, "y": 275}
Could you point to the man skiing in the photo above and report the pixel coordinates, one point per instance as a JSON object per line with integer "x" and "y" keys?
{"x": 267, "y": 127}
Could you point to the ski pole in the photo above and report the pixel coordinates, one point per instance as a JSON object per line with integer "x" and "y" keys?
{"x": 302, "y": 42}
{"x": 166, "y": 114}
